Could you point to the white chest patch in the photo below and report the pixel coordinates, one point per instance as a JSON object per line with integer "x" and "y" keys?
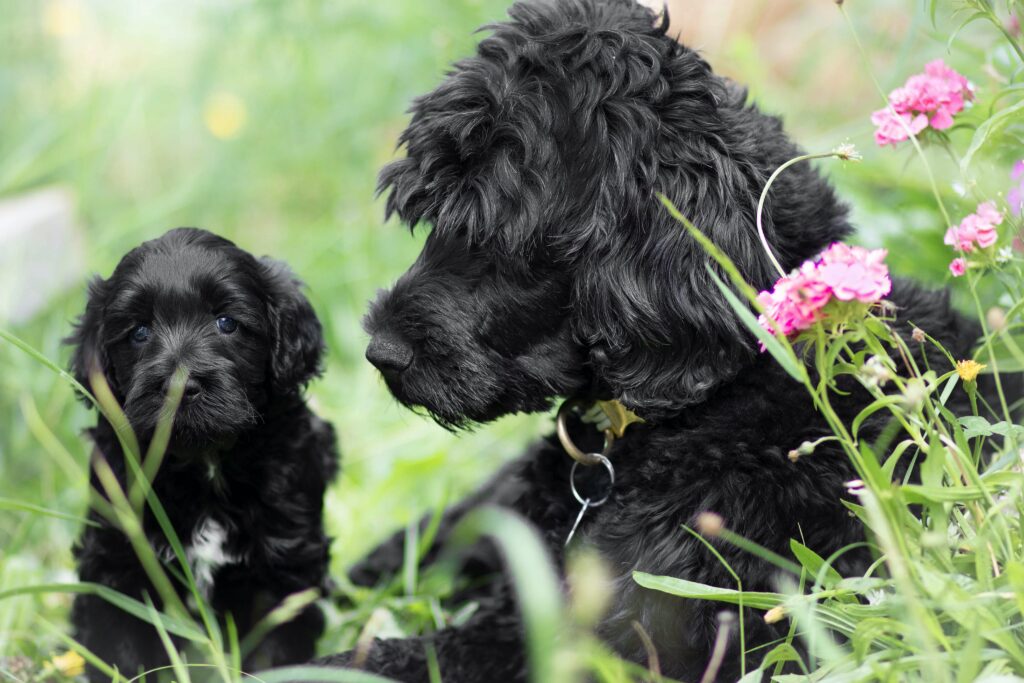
{"x": 207, "y": 552}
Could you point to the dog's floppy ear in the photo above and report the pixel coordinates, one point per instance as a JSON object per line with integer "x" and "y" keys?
{"x": 662, "y": 334}
{"x": 296, "y": 337}
{"x": 89, "y": 353}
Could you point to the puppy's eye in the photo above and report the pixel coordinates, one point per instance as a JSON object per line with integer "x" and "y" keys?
{"x": 139, "y": 335}
{"x": 227, "y": 325}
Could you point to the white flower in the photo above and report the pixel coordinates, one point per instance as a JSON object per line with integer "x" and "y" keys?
{"x": 847, "y": 152}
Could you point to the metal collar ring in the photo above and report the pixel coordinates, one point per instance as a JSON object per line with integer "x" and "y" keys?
{"x": 572, "y": 449}
{"x": 611, "y": 482}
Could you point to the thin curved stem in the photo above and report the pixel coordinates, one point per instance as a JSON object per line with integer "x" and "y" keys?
{"x": 845, "y": 154}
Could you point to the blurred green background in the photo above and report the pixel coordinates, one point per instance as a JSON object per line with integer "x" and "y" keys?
{"x": 266, "y": 121}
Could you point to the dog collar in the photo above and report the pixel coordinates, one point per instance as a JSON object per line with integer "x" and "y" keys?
{"x": 610, "y": 417}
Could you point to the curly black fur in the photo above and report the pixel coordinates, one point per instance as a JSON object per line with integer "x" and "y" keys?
{"x": 247, "y": 464}
{"x": 552, "y": 270}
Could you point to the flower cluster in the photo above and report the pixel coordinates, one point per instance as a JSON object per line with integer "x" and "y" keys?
{"x": 931, "y": 98}
{"x": 840, "y": 274}
{"x": 976, "y": 231}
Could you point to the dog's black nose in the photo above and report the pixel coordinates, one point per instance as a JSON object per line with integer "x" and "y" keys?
{"x": 192, "y": 390}
{"x": 389, "y": 353}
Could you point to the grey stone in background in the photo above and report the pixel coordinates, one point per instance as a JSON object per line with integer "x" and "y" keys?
{"x": 41, "y": 252}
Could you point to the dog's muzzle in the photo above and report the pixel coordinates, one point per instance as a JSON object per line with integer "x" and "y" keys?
{"x": 389, "y": 353}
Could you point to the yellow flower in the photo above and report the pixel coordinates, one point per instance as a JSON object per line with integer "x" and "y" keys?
{"x": 69, "y": 664}
{"x": 969, "y": 369}
{"x": 224, "y": 115}
{"x": 62, "y": 18}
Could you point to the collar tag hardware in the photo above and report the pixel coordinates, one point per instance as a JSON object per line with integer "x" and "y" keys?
{"x": 610, "y": 417}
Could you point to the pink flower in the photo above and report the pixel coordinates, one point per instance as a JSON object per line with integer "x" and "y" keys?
{"x": 855, "y": 273}
{"x": 890, "y": 129}
{"x": 958, "y": 266}
{"x": 985, "y": 221}
{"x": 931, "y": 98}
{"x": 840, "y": 273}
{"x": 1015, "y": 197}
{"x": 795, "y": 301}
{"x": 1013, "y": 25}
{"x": 961, "y": 238}
{"x": 978, "y": 228}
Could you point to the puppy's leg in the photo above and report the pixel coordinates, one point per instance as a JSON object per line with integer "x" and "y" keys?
{"x": 118, "y": 638}
{"x": 249, "y": 599}
{"x": 488, "y": 647}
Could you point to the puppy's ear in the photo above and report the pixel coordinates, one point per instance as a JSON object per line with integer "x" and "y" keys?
{"x": 296, "y": 337}
{"x": 663, "y": 334}
{"x": 89, "y": 355}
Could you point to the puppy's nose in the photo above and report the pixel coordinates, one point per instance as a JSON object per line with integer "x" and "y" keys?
{"x": 389, "y": 353}
{"x": 189, "y": 393}
{"x": 192, "y": 390}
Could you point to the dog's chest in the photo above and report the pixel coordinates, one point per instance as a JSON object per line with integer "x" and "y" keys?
{"x": 207, "y": 551}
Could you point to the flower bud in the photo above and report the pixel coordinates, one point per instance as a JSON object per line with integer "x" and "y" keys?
{"x": 996, "y": 318}
{"x": 710, "y": 524}
{"x": 915, "y": 393}
{"x": 775, "y": 615}
{"x": 875, "y": 372}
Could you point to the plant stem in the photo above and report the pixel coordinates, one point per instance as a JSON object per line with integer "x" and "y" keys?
{"x": 764, "y": 196}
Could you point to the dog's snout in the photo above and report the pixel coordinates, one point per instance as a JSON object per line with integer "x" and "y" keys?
{"x": 192, "y": 390}
{"x": 389, "y": 353}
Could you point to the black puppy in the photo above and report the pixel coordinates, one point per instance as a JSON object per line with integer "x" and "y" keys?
{"x": 244, "y": 474}
{"x": 552, "y": 270}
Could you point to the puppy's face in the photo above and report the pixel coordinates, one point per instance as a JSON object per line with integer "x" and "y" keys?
{"x": 551, "y": 268}
{"x": 472, "y": 335}
{"x": 192, "y": 304}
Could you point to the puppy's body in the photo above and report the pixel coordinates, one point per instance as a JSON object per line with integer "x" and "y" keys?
{"x": 728, "y": 455}
{"x": 552, "y": 270}
{"x": 243, "y": 478}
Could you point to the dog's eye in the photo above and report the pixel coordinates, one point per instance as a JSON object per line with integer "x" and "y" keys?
{"x": 227, "y": 325}
{"x": 140, "y": 335}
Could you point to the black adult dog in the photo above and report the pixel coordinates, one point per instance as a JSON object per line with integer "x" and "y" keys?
{"x": 552, "y": 270}
{"x": 243, "y": 478}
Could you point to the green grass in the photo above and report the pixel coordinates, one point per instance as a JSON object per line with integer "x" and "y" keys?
{"x": 113, "y": 109}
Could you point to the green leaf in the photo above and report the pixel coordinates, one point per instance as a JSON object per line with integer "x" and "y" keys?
{"x": 917, "y": 493}
{"x": 975, "y": 426}
{"x": 969, "y": 20}
{"x": 21, "y": 506}
{"x": 318, "y": 674}
{"x": 698, "y": 591}
{"x": 988, "y": 129}
{"x": 815, "y": 564}
{"x": 874, "y": 407}
{"x": 130, "y": 605}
